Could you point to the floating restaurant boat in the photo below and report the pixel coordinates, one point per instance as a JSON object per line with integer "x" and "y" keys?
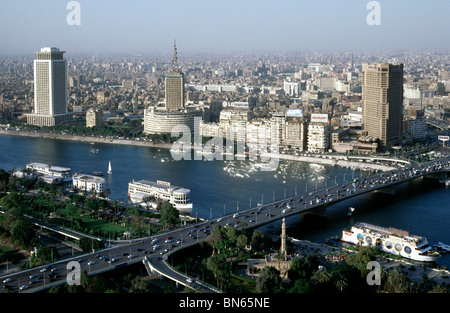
{"x": 390, "y": 240}
{"x": 179, "y": 197}
{"x": 50, "y": 173}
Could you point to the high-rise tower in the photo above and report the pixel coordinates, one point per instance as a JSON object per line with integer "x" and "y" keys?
{"x": 174, "y": 85}
{"x": 50, "y": 88}
{"x": 382, "y": 95}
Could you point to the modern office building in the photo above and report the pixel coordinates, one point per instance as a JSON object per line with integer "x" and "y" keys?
{"x": 382, "y": 96}
{"x": 50, "y": 88}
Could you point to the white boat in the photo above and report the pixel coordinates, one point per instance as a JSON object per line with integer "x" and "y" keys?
{"x": 443, "y": 247}
{"x": 50, "y": 173}
{"x": 350, "y": 211}
{"x": 445, "y": 181}
{"x": 109, "y": 168}
{"x": 390, "y": 240}
{"x": 180, "y": 198}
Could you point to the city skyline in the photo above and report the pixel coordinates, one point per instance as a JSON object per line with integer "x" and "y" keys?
{"x": 198, "y": 26}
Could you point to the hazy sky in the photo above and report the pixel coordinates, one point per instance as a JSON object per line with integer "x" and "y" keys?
{"x": 150, "y": 26}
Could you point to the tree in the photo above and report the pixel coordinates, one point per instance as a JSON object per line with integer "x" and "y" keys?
{"x": 301, "y": 285}
{"x": 13, "y": 200}
{"x": 217, "y": 234}
{"x": 220, "y": 268}
{"x": 395, "y": 282}
{"x": 169, "y": 215}
{"x": 268, "y": 281}
{"x": 139, "y": 285}
{"x": 22, "y": 230}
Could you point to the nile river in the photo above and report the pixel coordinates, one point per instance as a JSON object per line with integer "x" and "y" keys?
{"x": 221, "y": 187}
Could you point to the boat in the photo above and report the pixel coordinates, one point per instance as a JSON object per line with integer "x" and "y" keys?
{"x": 390, "y": 240}
{"x": 109, "y": 168}
{"x": 179, "y": 197}
{"x": 350, "y": 211}
{"x": 97, "y": 173}
{"x": 445, "y": 181}
{"x": 442, "y": 247}
{"x": 50, "y": 173}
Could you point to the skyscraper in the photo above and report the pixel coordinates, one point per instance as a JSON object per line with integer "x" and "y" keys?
{"x": 382, "y": 95}
{"x": 174, "y": 85}
{"x": 50, "y": 88}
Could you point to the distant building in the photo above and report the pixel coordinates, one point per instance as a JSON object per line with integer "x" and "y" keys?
{"x": 318, "y": 137}
{"x": 382, "y": 95}
{"x": 292, "y": 88}
{"x": 174, "y": 86}
{"x": 93, "y": 117}
{"x": 158, "y": 120}
{"x": 50, "y": 89}
{"x": 295, "y": 134}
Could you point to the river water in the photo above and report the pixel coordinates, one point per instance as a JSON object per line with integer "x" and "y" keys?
{"x": 218, "y": 187}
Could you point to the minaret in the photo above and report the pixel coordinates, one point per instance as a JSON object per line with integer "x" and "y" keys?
{"x": 283, "y": 238}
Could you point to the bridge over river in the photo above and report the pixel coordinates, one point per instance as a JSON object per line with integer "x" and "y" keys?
{"x": 154, "y": 251}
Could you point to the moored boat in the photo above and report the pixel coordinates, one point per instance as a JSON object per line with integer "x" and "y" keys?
{"x": 390, "y": 240}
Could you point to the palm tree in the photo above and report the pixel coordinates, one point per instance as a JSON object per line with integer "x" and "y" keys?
{"x": 321, "y": 276}
{"x": 439, "y": 289}
{"x": 340, "y": 281}
{"x": 395, "y": 282}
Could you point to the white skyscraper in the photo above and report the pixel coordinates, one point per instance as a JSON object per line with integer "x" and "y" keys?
{"x": 50, "y": 88}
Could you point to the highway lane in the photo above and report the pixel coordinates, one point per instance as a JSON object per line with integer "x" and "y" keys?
{"x": 124, "y": 253}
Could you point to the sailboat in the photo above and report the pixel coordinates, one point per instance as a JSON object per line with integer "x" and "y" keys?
{"x": 109, "y": 168}
{"x": 350, "y": 211}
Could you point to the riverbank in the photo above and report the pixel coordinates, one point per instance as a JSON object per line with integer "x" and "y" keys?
{"x": 332, "y": 160}
{"x": 87, "y": 139}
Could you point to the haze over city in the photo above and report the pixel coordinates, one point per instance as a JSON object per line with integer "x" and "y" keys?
{"x": 127, "y": 27}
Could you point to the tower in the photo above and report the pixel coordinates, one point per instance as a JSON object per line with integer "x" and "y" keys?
{"x": 174, "y": 85}
{"x": 50, "y": 88}
{"x": 283, "y": 249}
{"x": 382, "y": 96}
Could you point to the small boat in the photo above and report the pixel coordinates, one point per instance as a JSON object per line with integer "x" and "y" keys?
{"x": 350, "y": 211}
{"x": 109, "y": 168}
{"x": 97, "y": 173}
{"x": 443, "y": 247}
